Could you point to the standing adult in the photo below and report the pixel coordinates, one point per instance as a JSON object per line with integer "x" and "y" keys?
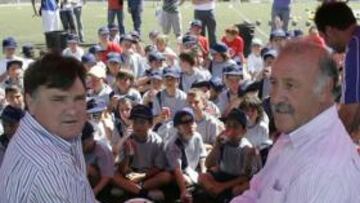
{"x": 342, "y": 34}
{"x": 135, "y": 8}
{"x": 115, "y": 9}
{"x": 281, "y": 9}
{"x": 171, "y": 17}
{"x": 44, "y": 161}
{"x": 49, "y": 11}
{"x": 77, "y": 8}
{"x": 314, "y": 159}
{"x": 204, "y": 11}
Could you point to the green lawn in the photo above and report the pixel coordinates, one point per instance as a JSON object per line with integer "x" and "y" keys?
{"x": 17, "y": 20}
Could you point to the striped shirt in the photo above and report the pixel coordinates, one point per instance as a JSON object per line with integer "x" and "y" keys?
{"x": 317, "y": 163}
{"x": 351, "y": 82}
{"x": 42, "y": 167}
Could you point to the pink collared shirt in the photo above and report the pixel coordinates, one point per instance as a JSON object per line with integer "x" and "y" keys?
{"x": 316, "y": 163}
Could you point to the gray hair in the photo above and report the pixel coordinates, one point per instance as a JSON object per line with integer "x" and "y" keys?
{"x": 328, "y": 71}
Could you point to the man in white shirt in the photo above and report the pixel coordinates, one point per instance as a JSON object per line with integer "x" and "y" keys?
{"x": 314, "y": 160}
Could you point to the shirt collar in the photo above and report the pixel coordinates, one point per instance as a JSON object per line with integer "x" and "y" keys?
{"x": 33, "y": 124}
{"x": 314, "y": 128}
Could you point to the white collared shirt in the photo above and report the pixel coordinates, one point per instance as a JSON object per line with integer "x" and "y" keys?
{"x": 317, "y": 163}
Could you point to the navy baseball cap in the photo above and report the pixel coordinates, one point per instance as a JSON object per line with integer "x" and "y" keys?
{"x": 141, "y": 111}
{"x": 88, "y": 58}
{"x": 72, "y": 38}
{"x": 201, "y": 84}
{"x": 233, "y": 70}
{"x": 219, "y": 48}
{"x": 88, "y": 131}
{"x": 155, "y": 56}
{"x": 9, "y": 42}
{"x": 113, "y": 27}
{"x": 237, "y": 115}
{"x": 184, "y": 116}
{"x": 172, "y": 72}
{"x": 12, "y": 114}
{"x": 15, "y": 61}
{"x": 270, "y": 53}
{"x": 95, "y": 49}
{"x": 278, "y": 33}
{"x": 196, "y": 22}
{"x": 27, "y": 48}
{"x": 114, "y": 57}
{"x": 103, "y": 30}
{"x": 189, "y": 40}
{"x": 217, "y": 84}
{"x": 155, "y": 75}
{"x": 95, "y": 106}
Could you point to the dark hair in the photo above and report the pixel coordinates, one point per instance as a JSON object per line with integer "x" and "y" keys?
{"x": 253, "y": 102}
{"x": 11, "y": 89}
{"x": 187, "y": 57}
{"x": 334, "y": 14}
{"x": 125, "y": 74}
{"x": 53, "y": 71}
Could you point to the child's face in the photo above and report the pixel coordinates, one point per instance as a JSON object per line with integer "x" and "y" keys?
{"x": 256, "y": 49}
{"x": 124, "y": 110}
{"x": 196, "y": 103}
{"x": 230, "y": 37}
{"x": 141, "y": 127}
{"x": 185, "y": 66}
{"x": 15, "y": 99}
{"x": 217, "y": 57}
{"x": 234, "y": 129}
{"x": 14, "y": 71}
{"x": 232, "y": 82}
{"x": 113, "y": 67}
{"x": 123, "y": 84}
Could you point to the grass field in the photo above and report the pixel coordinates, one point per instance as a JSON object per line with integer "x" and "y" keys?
{"x": 17, "y": 20}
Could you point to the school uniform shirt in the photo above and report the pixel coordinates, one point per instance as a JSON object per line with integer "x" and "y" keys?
{"x": 254, "y": 64}
{"x": 186, "y": 80}
{"x": 176, "y": 103}
{"x": 147, "y": 154}
{"x": 239, "y": 160}
{"x": 42, "y": 167}
{"x": 209, "y": 128}
{"x": 216, "y": 68}
{"x": 135, "y": 63}
{"x": 258, "y": 134}
{"x": 224, "y": 100}
{"x": 101, "y": 157}
{"x": 77, "y": 55}
{"x": 317, "y": 162}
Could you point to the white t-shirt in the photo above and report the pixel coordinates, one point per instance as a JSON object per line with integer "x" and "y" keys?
{"x": 255, "y": 64}
{"x": 206, "y": 6}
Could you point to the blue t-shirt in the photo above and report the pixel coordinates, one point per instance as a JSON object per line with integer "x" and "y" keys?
{"x": 49, "y": 5}
{"x": 351, "y": 82}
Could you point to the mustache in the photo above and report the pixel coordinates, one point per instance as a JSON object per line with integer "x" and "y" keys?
{"x": 282, "y": 108}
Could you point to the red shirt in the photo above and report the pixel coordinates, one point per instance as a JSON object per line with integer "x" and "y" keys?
{"x": 115, "y": 4}
{"x": 111, "y": 47}
{"x": 204, "y": 43}
{"x": 236, "y": 47}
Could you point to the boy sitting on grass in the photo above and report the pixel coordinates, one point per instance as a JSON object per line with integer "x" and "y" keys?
{"x": 142, "y": 158}
{"x": 232, "y": 162}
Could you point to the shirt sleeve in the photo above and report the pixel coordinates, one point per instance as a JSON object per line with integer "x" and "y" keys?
{"x": 59, "y": 184}
{"x": 173, "y": 156}
{"x": 351, "y": 82}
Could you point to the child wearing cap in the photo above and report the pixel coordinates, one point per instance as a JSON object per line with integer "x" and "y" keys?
{"x": 106, "y": 45}
{"x": 97, "y": 87}
{"x": 114, "y": 33}
{"x": 161, "y": 44}
{"x": 190, "y": 74}
{"x": 9, "y": 46}
{"x": 229, "y": 98}
{"x": 113, "y": 64}
{"x": 171, "y": 99}
{"x": 220, "y": 59}
{"x": 235, "y": 43}
{"x": 254, "y": 60}
{"x": 73, "y": 49}
{"x": 208, "y": 126}
{"x": 14, "y": 74}
{"x": 195, "y": 29}
{"x": 88, "y": 60}
{"x": 141, "y": 168}
{"x": 99, "y": 162}
{"x": 232, "y": 162}
{"x": 185, "y": 153}
{"x": 156, "y": 85}
{"x": 125, "y": 85}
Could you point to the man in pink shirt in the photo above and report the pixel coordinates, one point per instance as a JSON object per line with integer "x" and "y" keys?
{"x": 314, "y": 160}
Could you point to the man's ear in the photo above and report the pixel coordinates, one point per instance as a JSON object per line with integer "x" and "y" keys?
{"x": 30, "y": 103}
